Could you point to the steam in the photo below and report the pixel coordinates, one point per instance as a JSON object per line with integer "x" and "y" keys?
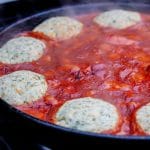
{"x": 94, "y": 6}
{"x": 90, "y": 6}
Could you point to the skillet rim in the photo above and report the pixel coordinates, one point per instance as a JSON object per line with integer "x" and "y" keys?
{"x": 57, "y": 127}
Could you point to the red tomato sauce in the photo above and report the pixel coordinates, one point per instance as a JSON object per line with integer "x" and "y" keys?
{"x": 105, "y": 63}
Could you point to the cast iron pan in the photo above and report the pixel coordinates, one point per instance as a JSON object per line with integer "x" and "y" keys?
{"x": 47, "y": 133}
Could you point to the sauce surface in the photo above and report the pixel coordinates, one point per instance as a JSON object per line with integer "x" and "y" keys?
{"x": 105, "y": 63}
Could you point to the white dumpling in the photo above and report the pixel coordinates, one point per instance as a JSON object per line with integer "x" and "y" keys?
{"x": 117, "y": 18}
{"x": 143, "y": 118}
{"x": 88, "y": 114}
{"x": 22, "y": 87}
{"x": 21, "y": 49}
{"x": 60, "y": 27}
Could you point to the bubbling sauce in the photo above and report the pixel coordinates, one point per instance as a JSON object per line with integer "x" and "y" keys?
{"x": 105, "y": 63}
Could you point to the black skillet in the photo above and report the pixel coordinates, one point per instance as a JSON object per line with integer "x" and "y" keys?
{"x": 47, "y": 133}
